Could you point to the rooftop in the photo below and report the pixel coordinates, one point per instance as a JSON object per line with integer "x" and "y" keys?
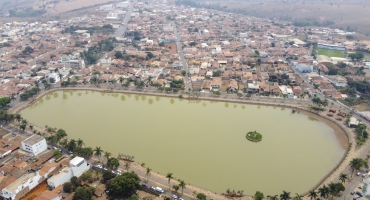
{"x": 33, "y": 139}
{"x": 13, "y": 186}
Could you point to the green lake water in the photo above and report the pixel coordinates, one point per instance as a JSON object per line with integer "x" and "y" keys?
{"x": 201, "y": 142}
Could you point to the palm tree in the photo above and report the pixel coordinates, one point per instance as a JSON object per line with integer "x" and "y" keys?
{"x": 98, "y": 152}
{"x": 312, "y": 194}
{"x": 324, "y": 192}
{"x": 298, "y": 197}
{"x": 107, "y": 155}
{"x": 80, "y": 143}
{"x": 182, "y": 184}
{"x": 169, "y": 176}
{"x": 275, "y": 197}
{"x": 127, "y": 165}
{"x": 357, "y": 163}
{"x": 343, "y": 177}
{"x": 64, "y": 142}
{"x": 285, "y": 195}
{"x": 148, "y": 173}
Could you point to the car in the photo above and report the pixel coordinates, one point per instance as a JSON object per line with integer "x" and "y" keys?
{"x": 158, "y": 189}
{"x": 174, "y": 196}
{"x": 363, "y": 175}
{"x": 70, "y": 152}
{"x": 55, "y": 148}
{"x": 360, "y": 186}
{"x": 181, "y": 198}
{"x": 358, "y": 173}
{"x": 105, "y": 168}
{"x": 144, "y": 184}
{"x": 353, "y": 192}
{"x": 151, "y": 187}
{"x": 359, "y": 194}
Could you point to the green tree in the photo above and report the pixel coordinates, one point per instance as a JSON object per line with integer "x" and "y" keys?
{"x": 80, "y": 143}
{"x": 335, "y": 189}
{"x": 107, "y": 175}
{"x": 182, "y": 184}
{"x": 57, "y": 153}
{"x": 52, "y": 80}
{"x": 275, "y": 197}
{"x": 118, "y": 54}
{"x": 148, "y": 173}
{"x": 343, "y": 177}
{"x": 312, "y": 194}
{"x": 84, "y": 193}
{"x": 124, "y": 185}
{"x": 183, "y": 72}
{"x": 68, "y": 187}
{"x": 285, "y": 195}
{"x": 176, "y": 187}
{"x": 201, "y": 196}
{"x": 169, "y": 177}
{"x": 192, "y": 43}
{"x": 357, "y": 163}
{"x": 107, "y": 155}
{"x": 113, "y": 163}
{"x": 258, "y": 196}
{"x": 324, "y": 192}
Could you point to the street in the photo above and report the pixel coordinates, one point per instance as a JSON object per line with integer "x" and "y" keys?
{"x": 122, "y": 29}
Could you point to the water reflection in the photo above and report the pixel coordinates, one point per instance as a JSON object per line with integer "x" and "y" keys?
{"x": 123, "y": 97}
{"x": 157, "y": 98}
{"x": 137, "y": 97}
{"x": 172, "y": 101}
{"x": 243, "y": 106}
{"x": 150, "y": 101}
{"x": 235, "y": 106}
{"x": 312, "y": 118}
{"x": 226, "y": 105}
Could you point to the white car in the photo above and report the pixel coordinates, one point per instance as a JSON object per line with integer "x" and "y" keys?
{"x": 174, "y": 196}
{"x": 158, "y": 189}
{"x": 358, "y": 173}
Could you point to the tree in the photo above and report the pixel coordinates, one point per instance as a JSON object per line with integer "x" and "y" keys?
{"x": 169, "y": 177}
{"x": 148, "y": 173}
{"x": 107, "y": 175}
{"x": 176, "y": 187}
{"x": 192, "y": 43}
{"x": 113, "y": 163}
{"x": 324, "y": 192}
{"x": 68, "y": 187}
{"x": 182, "y": 184}
{"x": 127, "y": 166}
{"x": 183, "y": 72}
{"x": 98, "y": 152}
{"x": 357, "y": 163}
{"x": 84, "y": 193}
{"x": 118, "y": 54}
{"x": 52, "y": 80}
{"x": 75, "y": 181}
{"x": 312, "y": 194}
{"x": 258, "y": 196}
{"x": 80, "y": 143}
{"x": 298, "y": 197}
{"x": 57, "y": 154}
{"x": 343, "y": 177}
{"x": 335, "y": 189}
{"x": 275, "y": 197}
{"x": 201, "y": 196}
{"x": 285, "y": 195}
{"x": 107, "y": 155}
{"x": 124, "y": 185}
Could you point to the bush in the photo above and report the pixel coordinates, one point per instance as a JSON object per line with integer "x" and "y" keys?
{"x": 68, "y": 187}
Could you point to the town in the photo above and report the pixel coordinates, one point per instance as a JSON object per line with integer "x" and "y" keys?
{"x": 167, "y": 48}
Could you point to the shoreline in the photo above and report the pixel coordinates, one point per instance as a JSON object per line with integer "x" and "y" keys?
{"x": 342, "y": 136}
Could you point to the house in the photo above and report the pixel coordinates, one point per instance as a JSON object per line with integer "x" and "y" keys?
{"x": 233, "y": 86}
{"x": 48, "y": 195}
{"x": 216, "y": 83}
{"x": 337, "y": 81}
{"x": 252, "y": 87}
{"x": 304, "y": 68}
{"x": 353, "y": 122}
{"x": 34, "y": 144}
{"x": 287, "y": 91}
{"x": 76, "y": 167}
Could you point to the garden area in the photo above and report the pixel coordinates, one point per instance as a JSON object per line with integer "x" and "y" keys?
{"x": 254, "y": 136}
{"x": 330, "y": 53}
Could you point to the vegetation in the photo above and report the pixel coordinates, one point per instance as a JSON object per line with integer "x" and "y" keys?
{"x": 106, "y": 29}
{"x": 201, "y": 196}
{"x": 331, "y": 53}
{"x": 361, "y": 134}
{"x": 29, "y": 12}
{"x": 93, "y": 53}
{"x": 84, "y": 193}
{"x": 124, "y": 185}
{"x": 357, "y": 163}
{"x": 29, "y": 93}
{"x": 113, "y": 163}
{"x": 254, "y": 136}
{"x": 258, "y": 195}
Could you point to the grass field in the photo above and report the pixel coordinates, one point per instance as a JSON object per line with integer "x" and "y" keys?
{"x": 330, "y": 53}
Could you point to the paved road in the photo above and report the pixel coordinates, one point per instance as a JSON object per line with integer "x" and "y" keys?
{"x": 121, "y": 30}
{"x": 182, "y": 58}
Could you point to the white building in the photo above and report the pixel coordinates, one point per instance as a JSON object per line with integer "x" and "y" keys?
{"x": 338, "y": 81}
{"x": 25, "y": 183}
{"x": 77, "y": 166}
{"x": 287, "y": 91}
{"x": 34, "y": 144}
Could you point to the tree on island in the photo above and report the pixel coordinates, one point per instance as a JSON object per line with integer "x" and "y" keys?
{"x": 258, "y": 196}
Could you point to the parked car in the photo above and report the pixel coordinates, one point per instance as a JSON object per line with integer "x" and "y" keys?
{"x": 174, "y": 196}
{"x": 158, "y": 189}
{"x": 181, "y": 198}
{"x": 353, "y": 192}
{"x": 144, "y": 184}
{"x": 360, "y": 186}
{"x": 363, "y": 175}
{"x": 358, "y": 173}
{"x": 359, "y": 194}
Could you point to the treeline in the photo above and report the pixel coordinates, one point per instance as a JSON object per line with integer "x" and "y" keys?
{"x": 359, "y": 86}
{"x": 312, "y": 22}
{"x": 92, "y": 55}
{"x": 29, "y": 12}
{"x": 107, "y": 28}
{"x": 29, "y": 93}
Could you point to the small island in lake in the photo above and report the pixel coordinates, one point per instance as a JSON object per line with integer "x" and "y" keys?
{"x": 254, "y": 136}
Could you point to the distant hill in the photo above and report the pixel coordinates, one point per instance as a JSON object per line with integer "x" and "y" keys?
{"x": 351, "y": 15}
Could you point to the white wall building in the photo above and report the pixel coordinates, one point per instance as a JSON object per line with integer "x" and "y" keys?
{"x": 77, "y": 166}
{"x": 338, "y": 81}
{"x": 30, "y": 180}
{"x": 34, "y": 144}
{"x": 287, "y": 91}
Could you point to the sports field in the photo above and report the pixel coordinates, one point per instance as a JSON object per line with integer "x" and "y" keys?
{"x": 330, "y": 53}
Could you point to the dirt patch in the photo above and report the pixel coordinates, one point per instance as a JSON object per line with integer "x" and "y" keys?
{"x": 145, "y": 195}
{"x": 3, "y": 132}
{"x": 36, "y": 192}
{"x": 224, "y": 85}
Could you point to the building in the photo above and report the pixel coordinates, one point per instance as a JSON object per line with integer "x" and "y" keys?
{"x": 304, "y": 68}
{"x": 331, "y": 46}
{"x": 216, "y": 83}
{"x": 22, "y": 186}
{"x": 366, "y": 187}
{"x": 287, "y": 91}
{"x": 34, "y": 144}
{"x": 338, "y": 81}
{"x": 76, "y": 167}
